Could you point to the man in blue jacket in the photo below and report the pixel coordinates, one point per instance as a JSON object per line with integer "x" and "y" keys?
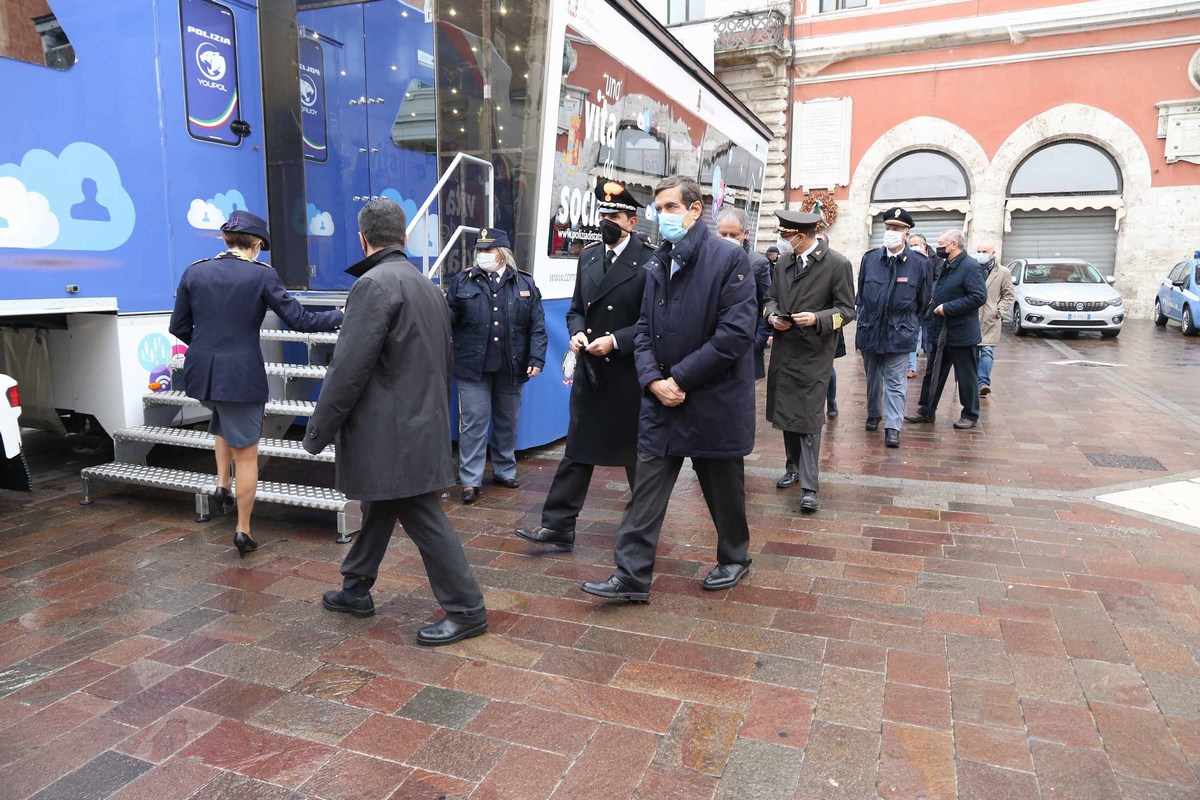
{"x": 696, "y": 369}
{"x": 954, "y": 332}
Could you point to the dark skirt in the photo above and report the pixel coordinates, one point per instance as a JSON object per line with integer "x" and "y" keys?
{"x": 239, "y": 424}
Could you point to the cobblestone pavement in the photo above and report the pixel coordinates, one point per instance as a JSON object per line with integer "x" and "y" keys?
{"x": 962, "y": 619}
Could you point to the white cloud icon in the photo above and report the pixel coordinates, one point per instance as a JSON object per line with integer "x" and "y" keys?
{"x": 25, "y": 217}
{"x": 321, "y": 224}
{"x": 205, "y": 216}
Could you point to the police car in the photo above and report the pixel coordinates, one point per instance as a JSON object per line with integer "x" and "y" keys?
{"x": 14, "y": 470}
{"x": 1179, "y": 296}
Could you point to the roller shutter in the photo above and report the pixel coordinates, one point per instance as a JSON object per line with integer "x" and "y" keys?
{"x": 1090, "y": 235}
{"x": 929, "y": 224}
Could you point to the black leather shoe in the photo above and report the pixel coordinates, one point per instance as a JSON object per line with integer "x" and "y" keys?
{"x": 616, "y": 589}
{"x": 244, "y": 544}
{"x": 965, "y": 424}
{"x": 891, "y": 437}
{"x": 563, "y": 540}
{"x": 789, "y": 479}
{"x": 725, "y": 576}
{"x": 359, "y": 604}
{"x": 809, "y": 502}
{"x": 447, "y": 631}
{"x": 470, "y": 494}
{"x": 223, "y": 500}
{"x": 919, "y": 418}
{"x": 832, "y": 412}
{"x": 873, "y": 423}
{"x": 507, "y": 483}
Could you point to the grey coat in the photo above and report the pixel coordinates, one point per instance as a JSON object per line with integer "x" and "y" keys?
{"x": 385, "y": 400}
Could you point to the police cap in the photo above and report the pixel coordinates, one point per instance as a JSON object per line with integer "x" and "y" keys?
{"x": 492, "y": 237}
{"x": 245, "y": 222}
{"x": 799, "y": 221}
{"x": 897, "y": 216}
{"x": 612, "y": 196}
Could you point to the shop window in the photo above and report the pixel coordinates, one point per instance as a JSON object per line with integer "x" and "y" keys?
{"x": 30, "y": 32}
{"x": 1066, "y": 168}
{"x": 922, "y": 175}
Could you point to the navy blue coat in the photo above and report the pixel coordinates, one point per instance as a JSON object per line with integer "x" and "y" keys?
{"x": 698, "y": 328}
{"x": 470, "y": 297}
{"x": 962, "y": 291}
{"x": 219, "y": 309}
{"x": 891, "y": 300}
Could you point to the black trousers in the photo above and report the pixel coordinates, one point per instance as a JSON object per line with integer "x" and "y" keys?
{"x": 803, "y": 451}
{"x": 445, "y": 563}
{"x": 723, "y": 483}
{"x": 568, "y": 492}
{"x": 965, "y": 361}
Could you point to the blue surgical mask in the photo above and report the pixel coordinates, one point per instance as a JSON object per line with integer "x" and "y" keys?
{"x": 671, "y": 227}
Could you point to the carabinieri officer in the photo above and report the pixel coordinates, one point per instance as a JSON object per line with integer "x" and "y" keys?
{"x": 605, "y": 396}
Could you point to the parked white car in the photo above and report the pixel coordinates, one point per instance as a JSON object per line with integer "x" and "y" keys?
{"x": 14, "y": 469}
{"x": 1064, "y": 294}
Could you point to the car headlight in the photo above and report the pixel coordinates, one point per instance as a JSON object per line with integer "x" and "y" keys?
{"x": 1033, "y": 301}
{"x": 1116, "y": 302}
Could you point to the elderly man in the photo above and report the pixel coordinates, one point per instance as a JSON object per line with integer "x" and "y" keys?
{"x": 953, "y": 332}
{"x": 734, "y": 225}
{"x": 692, "y": 350}
{"x": 385, "y": 401}
{"x": 894, "y": 284}
{"x": 1000, "y": 301}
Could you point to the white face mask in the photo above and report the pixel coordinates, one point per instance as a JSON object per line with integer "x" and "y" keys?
{"x": 893, "y": 239}
{"x": 487, "y": 262}
{"x": 785, "y": 247}
{"x": 983, "y": 258}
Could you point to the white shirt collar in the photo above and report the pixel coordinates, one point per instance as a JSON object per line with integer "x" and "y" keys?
{"x": 804, "y": 256}
{"x": 619, "y": 247}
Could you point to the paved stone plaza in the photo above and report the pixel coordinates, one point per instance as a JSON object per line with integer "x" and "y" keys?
{"x": 964, "y": 618}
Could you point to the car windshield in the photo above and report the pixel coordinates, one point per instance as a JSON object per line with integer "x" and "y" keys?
{"x": 1062, "y": 273}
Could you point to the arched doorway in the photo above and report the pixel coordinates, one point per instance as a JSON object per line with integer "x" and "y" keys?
{"x": 1065, "y": 201}
{"x": 930, "y": 185}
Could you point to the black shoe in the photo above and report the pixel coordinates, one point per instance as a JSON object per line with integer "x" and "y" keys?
{"x": 919, "y": 417}
{"x": 788, "y": 479}
{"x": 223, "y": 500}
{"x": 563, "y": 540}
{"x": 470, "y": 494}
{"x": 832, "y": 412}
{"x": 616, "y": 589}
{"x": 507, "y": 483}
{"x": 447, "y": 631}
{"x": 725, "y": 576}
{"x": 809, "y": 502}
{"x": 891, "y": 437}
{"x": 244, "y": 544}
{"x": 965, "y": 424}
{"x": 873, "y": 423}
{"x": 355, "y": 600}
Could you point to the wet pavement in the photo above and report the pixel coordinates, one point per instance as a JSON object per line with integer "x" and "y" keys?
{"x": 963, "y": 619}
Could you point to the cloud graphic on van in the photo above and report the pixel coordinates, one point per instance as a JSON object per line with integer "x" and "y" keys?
{"x": 25, "y": 217}
{"x": 425, "y": 240}
{"x": 320, "y": 223}
{"x": 83, "y": 189}
{"x": 204, "y": 215}
{"x": 229, "y": 202}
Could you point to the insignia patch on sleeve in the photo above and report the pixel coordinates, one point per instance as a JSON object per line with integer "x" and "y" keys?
{"x": 837, "y": 320}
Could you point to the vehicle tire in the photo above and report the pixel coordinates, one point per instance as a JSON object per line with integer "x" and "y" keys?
{"x": 1160, "y": 319}
{"x": 1111, "y": 334}
{"x": 1018, "y": 328}
{"x": 1189, "y": 324}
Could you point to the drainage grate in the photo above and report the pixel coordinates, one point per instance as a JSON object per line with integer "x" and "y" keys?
{"x": 1121, "y": 461}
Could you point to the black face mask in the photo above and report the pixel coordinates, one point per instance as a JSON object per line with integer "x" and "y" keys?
{"x": 610, "y": 232}
{"x": 746, "y": 245}
{"x": 941, "y": 253}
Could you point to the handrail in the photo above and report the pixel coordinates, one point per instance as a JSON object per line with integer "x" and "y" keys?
{"x": 431, "y": 271}
{"x": 423, "y": 211}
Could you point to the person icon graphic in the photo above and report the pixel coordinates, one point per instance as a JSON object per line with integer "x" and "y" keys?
{"x": 90, "y": 209}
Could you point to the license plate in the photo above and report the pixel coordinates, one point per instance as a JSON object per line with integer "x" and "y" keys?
{"x": 1079, "y": 316}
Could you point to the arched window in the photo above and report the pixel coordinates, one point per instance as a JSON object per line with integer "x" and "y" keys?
{"x": 1066, "y": 168}
{"x": 921, "y": 175}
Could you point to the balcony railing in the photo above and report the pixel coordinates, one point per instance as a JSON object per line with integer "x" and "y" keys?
{"x": 752, "y": 30}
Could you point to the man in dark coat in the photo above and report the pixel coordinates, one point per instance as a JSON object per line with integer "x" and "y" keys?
{"x": 385, "y": 402}
{"x": 695, "y": 368}
{"x": 605, "y": 395}
{"x": 811, "y": 299}
{"x": 894, "y": 286}
{"x": 953, "y": 332}
{"x": 734, "y": 225}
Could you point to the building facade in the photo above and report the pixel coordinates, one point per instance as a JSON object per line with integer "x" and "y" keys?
{"x": 1051, "y": 128}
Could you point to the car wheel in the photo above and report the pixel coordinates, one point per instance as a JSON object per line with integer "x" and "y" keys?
{"x": 1160, "y": 319}
{"x": 1189, "y": 324}
{"x": 1018, "y": 328}
{"x": 1111, "y": 334}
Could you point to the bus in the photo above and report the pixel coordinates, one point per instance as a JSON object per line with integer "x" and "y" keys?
{"x": 134, "y": 128}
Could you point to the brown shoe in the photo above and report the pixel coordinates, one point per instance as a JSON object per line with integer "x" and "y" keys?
{"x": 912, "y": 373}
{"x": 919, "y": 418}
{"x": 965, "y": 424}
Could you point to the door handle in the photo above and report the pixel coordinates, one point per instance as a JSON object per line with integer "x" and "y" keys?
{"x": 374, "y": 149}
{"x": 362, "y": 149}
{"x": 353, "y": 102}
{"x": 379, "y": 100}
{"x": 357, "y": 198}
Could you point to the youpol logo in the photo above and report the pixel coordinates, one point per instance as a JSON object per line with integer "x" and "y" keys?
{"x": 308, "y": 91}
{"x": 210, "y": 61}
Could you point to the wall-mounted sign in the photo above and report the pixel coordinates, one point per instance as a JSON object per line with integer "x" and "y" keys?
{"x": 821, "y": 143}
{"x": 1179, "y": 125}
{"x": 210, "y": 75}
{"x": 312, "y": 100}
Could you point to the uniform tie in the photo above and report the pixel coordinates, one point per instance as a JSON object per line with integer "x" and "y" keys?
{"x": 609, "y": 256}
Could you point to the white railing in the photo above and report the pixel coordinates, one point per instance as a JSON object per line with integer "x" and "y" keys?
{"x": 423, "y": 212}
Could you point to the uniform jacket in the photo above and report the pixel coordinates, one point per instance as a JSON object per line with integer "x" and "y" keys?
{"x": 762, "y": 331}
{"x": 962, "y": 291}
{"x": 801, "y": 358}
{"x": 1000, "y": 299}
{"x": 470, "y": 296}
{"x": 385, "y": 401}
{"x": 698, "y": 328}
{"x": 892, "y": 296}
{"x": 604, "y": 419}
{"x": 219, "y": 309}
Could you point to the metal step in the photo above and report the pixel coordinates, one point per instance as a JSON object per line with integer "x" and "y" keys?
{"x": 282, "y": 335}
{"x": 309, "y": 371}
{"x": 203, "y": 440}
{"x": 276, "y": 408}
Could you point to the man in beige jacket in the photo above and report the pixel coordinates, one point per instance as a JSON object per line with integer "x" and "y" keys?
{"x": 999, "y": 303}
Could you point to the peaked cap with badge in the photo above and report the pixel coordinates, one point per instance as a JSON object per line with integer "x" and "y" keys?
{"x": 244, "y": 222}
{"x": 614, "y": 196}
{"x": 897, "y": 216}
{"x": 492, "y": 237}
{"x": 799, "y": 221}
